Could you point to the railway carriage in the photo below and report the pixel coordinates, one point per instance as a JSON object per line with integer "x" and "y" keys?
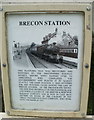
{"x": 69, "y": 52}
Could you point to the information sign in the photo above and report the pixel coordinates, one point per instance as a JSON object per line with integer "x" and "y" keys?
{"x": 47, "y": 68}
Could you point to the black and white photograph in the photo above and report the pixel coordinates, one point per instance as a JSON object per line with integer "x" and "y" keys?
{"x": 56, "y": 50}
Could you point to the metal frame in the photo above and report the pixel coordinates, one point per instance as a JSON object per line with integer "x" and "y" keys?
{"x": 48, "y": 7}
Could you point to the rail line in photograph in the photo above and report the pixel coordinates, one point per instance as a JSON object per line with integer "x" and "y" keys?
{"x": 35, "y": 61}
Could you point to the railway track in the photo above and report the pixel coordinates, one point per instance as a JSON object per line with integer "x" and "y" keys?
{"x": 69, "y": 64}
{"x": 66, "y": 66}
{"x": 35, "y": 61}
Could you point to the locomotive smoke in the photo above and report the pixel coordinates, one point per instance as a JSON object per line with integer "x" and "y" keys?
{"x": 45, "y": 23}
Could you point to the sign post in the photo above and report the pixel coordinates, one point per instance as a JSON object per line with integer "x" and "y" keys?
{"x": 46, "y": 51}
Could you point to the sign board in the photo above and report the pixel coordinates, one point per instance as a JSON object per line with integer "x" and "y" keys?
{"x": 46, "y": 51}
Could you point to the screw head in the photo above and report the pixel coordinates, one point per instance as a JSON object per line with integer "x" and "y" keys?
{"x": 8, "y": 112}
{"x": 88, "y": 27}
{"x": 86, "y": 65}
{"x": 88, "y": 8}
{"x": 4, "y": 65}
{"x": 83, "y": 114}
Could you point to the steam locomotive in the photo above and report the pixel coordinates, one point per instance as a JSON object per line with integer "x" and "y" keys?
{"x": 52, "y": 52}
